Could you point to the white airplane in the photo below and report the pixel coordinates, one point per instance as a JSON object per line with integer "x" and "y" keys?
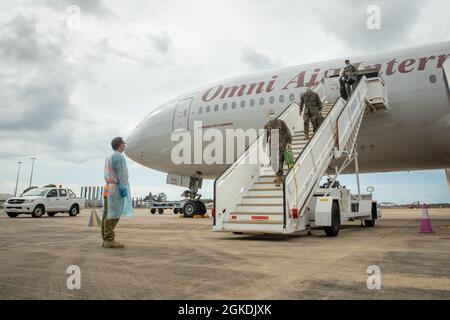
{"x": 413, "y": 135}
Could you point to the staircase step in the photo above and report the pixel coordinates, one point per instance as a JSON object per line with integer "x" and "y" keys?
{"x": 269, "y": 209}
{"x": 262, "y": 200}
{"x": 266, "y": 192}
{"x": 300, "y": 137}
{"x": 265, "y": 186}
{"x": 265, "y": 183}
{"x": 299, "y": 143}
{"x": 267, "y": 179}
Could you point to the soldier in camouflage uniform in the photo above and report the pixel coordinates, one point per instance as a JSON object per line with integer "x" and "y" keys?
{"x": 350, "y": 74}
{"x": 285, "y": 140}
{"x": 313, "y": 107}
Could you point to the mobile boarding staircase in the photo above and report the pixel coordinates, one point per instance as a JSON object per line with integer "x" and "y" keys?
{"x": 246, "y": 198}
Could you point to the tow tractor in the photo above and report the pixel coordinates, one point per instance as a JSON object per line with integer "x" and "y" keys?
{"x": 343, "y": 206}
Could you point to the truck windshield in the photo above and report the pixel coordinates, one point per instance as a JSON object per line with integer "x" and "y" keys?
{"x": 35, "y": 192}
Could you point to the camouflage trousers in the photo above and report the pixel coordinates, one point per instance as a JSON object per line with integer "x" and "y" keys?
{"x": 280, "y": 171}
{"x": 315, "y": 118}
{"x": 108, "y": 225}
{"x": 350, "y": 88}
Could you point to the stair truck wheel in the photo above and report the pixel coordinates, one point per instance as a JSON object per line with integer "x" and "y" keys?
{"x": 38, "y": 212}
{"x": 152, "y": 210}
{"x": 175, "y": 211}
{"x": 160, "y": 210}
{"x": 74, "y": 210}
{"x": 12, "y": 215}
{"x": 333, "y": 231}
{"x": 369, "y": 223}
{"x": 190, "y": 209}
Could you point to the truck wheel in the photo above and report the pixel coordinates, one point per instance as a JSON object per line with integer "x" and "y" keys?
{"x": 38, "y": 212}
{"x": 333, "y": 231}
{"x": 51, "y": 214}
{"x": 160, "y": 211}
{"x": 12, "y": 214}
{"x": 153, "y": 211}
{"x": 74, "y": 210}
{"x": 369, "y": 223}
{"x": 190, "y": 209}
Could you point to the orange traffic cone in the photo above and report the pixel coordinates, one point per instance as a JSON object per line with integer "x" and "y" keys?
{"x": 425, "y": 225}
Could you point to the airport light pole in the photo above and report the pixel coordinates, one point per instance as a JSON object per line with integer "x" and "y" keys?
{"x": 32, "y": 168}
{"x": 17, "y": 180}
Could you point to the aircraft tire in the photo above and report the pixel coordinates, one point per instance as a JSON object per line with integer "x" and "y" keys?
{"x": 190, "y": 209}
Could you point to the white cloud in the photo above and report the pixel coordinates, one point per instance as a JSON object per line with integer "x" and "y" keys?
{"x": 258, "y": 61}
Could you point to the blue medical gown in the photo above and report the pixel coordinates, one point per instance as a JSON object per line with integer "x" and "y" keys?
{"x": 116, "y": 176}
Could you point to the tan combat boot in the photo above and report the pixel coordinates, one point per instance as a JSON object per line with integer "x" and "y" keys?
{"x": 306, "y": 135}
{"x": 112, "y": 244}
{"x": 278, "y": 181}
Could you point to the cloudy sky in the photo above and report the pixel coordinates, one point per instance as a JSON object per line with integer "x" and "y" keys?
{"x": 67, "y": 88}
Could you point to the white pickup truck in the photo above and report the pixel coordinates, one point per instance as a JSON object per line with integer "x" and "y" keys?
{"x": 39, "y": 201}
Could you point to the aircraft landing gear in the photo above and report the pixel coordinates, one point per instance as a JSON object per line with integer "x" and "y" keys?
{"x": 193, "y": 205}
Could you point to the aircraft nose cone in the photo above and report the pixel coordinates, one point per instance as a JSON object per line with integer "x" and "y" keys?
{"x": 131, "y": 146}
{"x": 150, "y": 142}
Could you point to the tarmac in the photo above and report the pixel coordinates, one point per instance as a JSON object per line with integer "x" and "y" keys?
{"x": 167, "y": 257}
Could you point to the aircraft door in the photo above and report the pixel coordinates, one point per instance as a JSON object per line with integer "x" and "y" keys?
{"x": 446, "y": 68}
{"x": 181, "y": 115}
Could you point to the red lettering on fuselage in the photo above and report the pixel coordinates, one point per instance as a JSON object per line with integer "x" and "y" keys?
{"x": 441, "y": 59}
{"x": 389, "y": 68}
{"x": 259, "y": 88}
{"x": 423, "y": 62}
{"x": 403, "y": 67}
{"x": 230, "y": 92}
{"x": 215, "y": 95}
{"x": 298, "y": 80}
{"x": 271, "y": 84}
